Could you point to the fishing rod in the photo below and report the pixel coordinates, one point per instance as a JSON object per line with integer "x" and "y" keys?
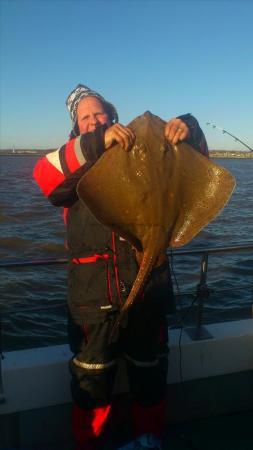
{"x": 230, "y": 134}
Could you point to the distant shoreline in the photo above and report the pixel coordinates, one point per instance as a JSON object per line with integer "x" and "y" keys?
{"x": 17, "y": 152}
{"x": 234, "y": 154}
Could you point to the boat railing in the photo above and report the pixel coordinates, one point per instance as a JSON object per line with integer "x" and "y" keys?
{"x": 201, "y": 291}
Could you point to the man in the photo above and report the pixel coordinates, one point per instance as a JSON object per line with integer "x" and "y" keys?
{"x": 101, "y": 272}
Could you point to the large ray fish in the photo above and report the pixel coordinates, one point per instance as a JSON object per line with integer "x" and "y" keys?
{"x": 155, "y": 195}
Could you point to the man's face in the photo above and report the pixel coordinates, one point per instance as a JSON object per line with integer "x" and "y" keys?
{"x": 91, "y": 115}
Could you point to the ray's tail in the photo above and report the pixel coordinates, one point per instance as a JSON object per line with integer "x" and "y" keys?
{"x": 147, "y": 263}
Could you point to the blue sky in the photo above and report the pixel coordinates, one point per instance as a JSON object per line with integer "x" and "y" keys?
{"x": 170, "y": 57}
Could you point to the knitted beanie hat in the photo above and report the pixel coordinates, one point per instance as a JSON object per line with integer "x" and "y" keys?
{"x": 81, "y": 92}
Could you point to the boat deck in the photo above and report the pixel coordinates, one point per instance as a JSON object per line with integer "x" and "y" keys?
{"x": 217, "y": 433}
{"x": 213, "y": 412}
{"x": 229, "y": 432}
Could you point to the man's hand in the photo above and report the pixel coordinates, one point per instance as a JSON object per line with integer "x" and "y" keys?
{"x": 118, "y": 134}
{"x": 176, "y": 130}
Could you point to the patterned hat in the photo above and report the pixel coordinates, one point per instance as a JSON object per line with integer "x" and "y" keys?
{"x": 81, "y": 92}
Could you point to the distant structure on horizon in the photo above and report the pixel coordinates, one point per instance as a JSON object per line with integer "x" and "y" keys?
{"x": 239, "y": 154}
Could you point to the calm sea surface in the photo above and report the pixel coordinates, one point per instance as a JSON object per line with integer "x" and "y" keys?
{"x": 32, "y": 299}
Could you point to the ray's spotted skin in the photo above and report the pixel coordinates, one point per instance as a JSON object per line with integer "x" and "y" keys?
{"x": 158, "y": 195}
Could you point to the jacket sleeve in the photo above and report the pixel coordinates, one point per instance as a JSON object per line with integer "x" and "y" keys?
{"x": 197, "y": 138}
{"x": 58, "y": 172}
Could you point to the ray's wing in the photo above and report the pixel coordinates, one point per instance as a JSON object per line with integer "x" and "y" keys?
{"x": 200, "y": 191}
{"x": 110, "y": 195}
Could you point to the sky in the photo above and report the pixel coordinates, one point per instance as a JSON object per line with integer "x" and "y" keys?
{"x": 168, "y": 57}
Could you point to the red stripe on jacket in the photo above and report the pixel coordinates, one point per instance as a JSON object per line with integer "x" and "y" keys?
{"x": 53, "y": 176}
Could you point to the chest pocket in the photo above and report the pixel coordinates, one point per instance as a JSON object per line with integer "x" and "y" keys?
{"x": 85, "y": 235}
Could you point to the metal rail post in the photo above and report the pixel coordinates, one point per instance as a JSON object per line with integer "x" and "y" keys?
{"x": 2, "y": 398}
{"x": 200, "y": 332}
